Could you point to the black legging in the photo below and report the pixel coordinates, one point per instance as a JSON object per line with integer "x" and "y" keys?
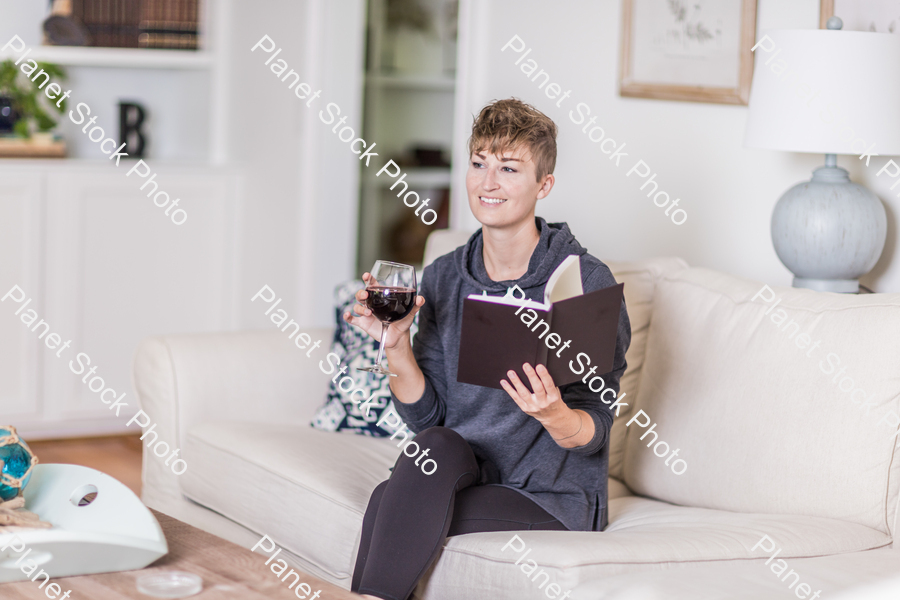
{"x": 411, "y": 514}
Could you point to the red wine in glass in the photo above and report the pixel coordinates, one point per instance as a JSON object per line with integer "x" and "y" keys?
{"x": 390, "y": 304}
{"x": 391, "y": 296}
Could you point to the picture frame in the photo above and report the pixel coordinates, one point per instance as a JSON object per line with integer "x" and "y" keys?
{"x": 697, "y": 51}
{"x": 882, "y": 16}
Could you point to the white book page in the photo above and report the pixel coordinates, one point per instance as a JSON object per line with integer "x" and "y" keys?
{"x": 511, "y": 301}
{"x": 565, "y": 282}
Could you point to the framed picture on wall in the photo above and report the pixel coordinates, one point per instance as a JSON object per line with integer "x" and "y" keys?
{"x": 694, "y": 50}
{"x": 882, "y": 16}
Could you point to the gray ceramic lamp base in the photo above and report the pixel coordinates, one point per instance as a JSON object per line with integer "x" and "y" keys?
{"x": 829, "y": 231}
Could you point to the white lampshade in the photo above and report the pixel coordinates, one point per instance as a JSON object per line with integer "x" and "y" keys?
{"x": 828, "y": 92}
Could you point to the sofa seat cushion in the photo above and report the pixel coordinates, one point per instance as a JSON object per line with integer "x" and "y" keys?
{"x": 681, "y": 533}
{"x": 844, "y": 576}
{"x": 307, "y": 490}
{"x": 304, "y": 488}
{"x": 303, "y": 485}
{"x": 643, "y": 535}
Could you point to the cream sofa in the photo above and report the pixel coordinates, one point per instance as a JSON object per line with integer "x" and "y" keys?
{"x": 773, "y": 448}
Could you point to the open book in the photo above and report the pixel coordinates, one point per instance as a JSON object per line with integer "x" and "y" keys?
{"x": 502, "y": 333}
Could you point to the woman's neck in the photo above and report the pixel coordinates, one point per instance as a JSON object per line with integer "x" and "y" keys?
{"x": 507, "y": 252}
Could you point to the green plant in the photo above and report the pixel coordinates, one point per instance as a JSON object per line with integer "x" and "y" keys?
{"x": 25, "y": 97}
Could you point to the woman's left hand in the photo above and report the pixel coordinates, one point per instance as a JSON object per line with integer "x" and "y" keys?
{"x": 546, "y": 403}
{"x": 568, "y": 427}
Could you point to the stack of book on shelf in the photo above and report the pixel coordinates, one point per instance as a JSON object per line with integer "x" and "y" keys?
{"x": 169, "y": 24}
{"x": 110, "y": 23}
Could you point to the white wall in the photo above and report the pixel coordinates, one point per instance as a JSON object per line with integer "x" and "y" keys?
{"x": 695, "y": 148}
{"x": 300, "y": 195}
{"x": 23, "y": 19}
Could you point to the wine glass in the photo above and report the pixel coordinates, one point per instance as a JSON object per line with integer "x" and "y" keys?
{"x": 391, "y": 290}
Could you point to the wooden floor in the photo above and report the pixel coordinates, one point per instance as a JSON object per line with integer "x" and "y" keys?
{"x": 118, "y": 456}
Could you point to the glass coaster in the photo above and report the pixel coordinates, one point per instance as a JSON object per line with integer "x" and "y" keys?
{"x": 170, "y": 584}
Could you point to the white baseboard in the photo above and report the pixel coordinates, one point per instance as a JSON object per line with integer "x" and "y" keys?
{"x": 32, "y": 431}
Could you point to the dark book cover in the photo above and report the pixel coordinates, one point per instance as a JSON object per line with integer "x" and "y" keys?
{"x": 170, "y": 24}
{"x": 110, "y": 23}
{"x": 494, "y": 339}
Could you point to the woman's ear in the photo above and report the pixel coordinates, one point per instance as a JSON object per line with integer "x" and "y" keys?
{"x": 546, "y": 185}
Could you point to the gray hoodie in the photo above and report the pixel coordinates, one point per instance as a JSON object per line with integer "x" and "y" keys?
{"x": 512, "y": 448}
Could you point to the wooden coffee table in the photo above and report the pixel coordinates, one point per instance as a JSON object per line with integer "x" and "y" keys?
{"x": 229, "y": 572}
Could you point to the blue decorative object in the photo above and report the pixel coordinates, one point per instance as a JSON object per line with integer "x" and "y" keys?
{"x": 356, "y": 349}
{"x": 16, "y": 463}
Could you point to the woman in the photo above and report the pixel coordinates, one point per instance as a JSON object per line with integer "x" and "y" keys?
{"x": 510, "y": 459}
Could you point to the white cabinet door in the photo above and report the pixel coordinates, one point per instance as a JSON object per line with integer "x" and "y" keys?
{"x": 21, "y": 204}
{"x": 116, "y": 269}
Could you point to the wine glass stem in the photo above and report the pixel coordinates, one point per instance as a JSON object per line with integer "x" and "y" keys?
{"x": 384, "y": 330}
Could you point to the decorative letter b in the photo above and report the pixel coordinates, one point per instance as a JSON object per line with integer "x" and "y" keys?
{"x": 131, "y": 117}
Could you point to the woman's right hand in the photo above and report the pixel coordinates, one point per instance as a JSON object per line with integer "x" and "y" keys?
{"x": 363, "y": 318}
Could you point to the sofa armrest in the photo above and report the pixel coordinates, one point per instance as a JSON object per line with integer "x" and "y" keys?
{"x": 253, "y": 376}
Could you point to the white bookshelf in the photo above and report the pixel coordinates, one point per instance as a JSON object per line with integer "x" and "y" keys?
{"x": 443, "y": 83}
{"x": 416, "y": 177}
{"x": 403, "y": 109}
{"x": 129, "y": 58}
{"x": 172, "y": 84}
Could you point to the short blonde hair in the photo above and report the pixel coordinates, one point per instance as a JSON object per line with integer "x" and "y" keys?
{"x": 511, "y": 124}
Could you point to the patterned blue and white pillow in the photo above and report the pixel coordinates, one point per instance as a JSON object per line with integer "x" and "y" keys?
{"x": 356, "y": 349}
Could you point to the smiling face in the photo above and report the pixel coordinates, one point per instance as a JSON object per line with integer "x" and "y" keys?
{"x": 503, "y": 188}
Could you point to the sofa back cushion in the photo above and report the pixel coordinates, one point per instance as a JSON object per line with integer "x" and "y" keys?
{"x": 792, "y": 412}
{"x": 640, "y": 278}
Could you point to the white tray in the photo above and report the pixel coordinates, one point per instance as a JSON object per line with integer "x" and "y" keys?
{"x": 115, "y": 532}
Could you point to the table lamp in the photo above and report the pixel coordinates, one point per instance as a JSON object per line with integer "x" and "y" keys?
{"x": 829, "y": 92}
